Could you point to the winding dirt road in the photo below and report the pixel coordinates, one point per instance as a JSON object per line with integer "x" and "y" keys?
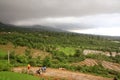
{"x": 63, "y": 74}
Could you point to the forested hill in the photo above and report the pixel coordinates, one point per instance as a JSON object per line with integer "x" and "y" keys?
{"x": 34, "y": 28}
{"x": 50, "y": 41}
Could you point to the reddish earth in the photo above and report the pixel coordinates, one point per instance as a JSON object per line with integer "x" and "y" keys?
{"x": 88, "y": 62}
{"x": 92, "y": 62}
{"x": 105, "y": 64}
{"x": 112, "y": 66}
{"x": 63, "y": 74}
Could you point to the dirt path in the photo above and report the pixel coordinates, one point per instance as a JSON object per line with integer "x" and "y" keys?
{"x": 63, "y": 74}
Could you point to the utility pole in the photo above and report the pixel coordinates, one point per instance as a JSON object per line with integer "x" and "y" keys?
{"x": 8, "y": 57}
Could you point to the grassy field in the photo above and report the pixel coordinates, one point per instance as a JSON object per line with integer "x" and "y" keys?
{"x": 67, "y": 50}
{"x": 16, "y": 76}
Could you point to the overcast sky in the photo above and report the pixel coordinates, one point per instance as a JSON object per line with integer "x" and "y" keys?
{"x": 82, "y": 16}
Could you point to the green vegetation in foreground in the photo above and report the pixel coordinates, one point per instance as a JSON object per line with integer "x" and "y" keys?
{"x": 5, "y": 75}
{"x": 16, "y": 76}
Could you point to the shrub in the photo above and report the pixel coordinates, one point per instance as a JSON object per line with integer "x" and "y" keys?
{"x": 46, "y": 62}
{"x": 21, "y": 59}
{"x": 32, "y": 62}
{"x": 117, "y": 58}
{"x": 4, "y": 66}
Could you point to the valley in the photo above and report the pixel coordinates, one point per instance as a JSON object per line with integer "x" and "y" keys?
{"x": 83, "y": 56}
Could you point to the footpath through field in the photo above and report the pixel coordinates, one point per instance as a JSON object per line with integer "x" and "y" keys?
{"x": 63, "y": 74}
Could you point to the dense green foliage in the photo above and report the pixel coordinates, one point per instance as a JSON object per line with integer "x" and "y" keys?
{"x": 65, "y": 42}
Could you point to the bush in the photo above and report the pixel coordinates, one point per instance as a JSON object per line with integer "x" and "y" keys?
{"x": 4, "y": 66}
{"x": 118, "y": 76}
{"x": 32, "y": 62}
{"x": 12, "y": 55}
{"x": 21, "y": 59}
{"x": 117, "y": 58}
{"x": 46, "y": 62}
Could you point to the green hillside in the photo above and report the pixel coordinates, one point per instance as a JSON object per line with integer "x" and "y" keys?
{"x": 49, "y": 41}
{"x": 62, "y": 48}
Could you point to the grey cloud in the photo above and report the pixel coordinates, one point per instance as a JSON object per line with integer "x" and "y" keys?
{"x": 15, "y": 10}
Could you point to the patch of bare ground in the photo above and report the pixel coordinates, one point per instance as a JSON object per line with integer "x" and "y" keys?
{"x": 110, "y": 65}
{"x": 21, "y": 50}
{"x": 57, "y": 73}
{"x": 105, "y": 64}
{"x": 87, "y": 62}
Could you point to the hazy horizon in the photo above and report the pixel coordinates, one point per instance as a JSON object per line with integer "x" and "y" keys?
{"x": 99, "y": 17}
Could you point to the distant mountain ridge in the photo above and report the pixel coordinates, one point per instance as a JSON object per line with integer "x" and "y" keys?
{"x": 9, "y": 27}
{"x": 46, "y": 28}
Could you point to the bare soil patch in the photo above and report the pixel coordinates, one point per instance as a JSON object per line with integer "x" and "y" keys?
{"x": 63, "y": 74}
